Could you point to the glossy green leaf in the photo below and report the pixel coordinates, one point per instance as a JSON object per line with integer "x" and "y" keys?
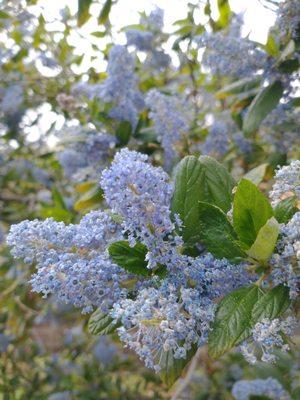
{"x": 264, "y": 102}
{"x": 83, "y": 11}
{"x": 101, "y": 323}
{"x": 218, "y": 184}
{"x": 188, "y": 192}
{"x": 104, "y": 14}
{"x": 232, "y": 323}
{"x": 251, "y": 211}
{"x": 265, "y": 241}
{"x": 256, "y": 175}
{"x": 217, "y": 233}
{"x": 172, "y": 368}
{"x": 285, "y": 209}
{"x": 123, "y": 132}
{"x": 272, "y": 304}
{"x": 89, "y": 199}
{"x": 130, "y": 258}
{"x": 240, "y": 86}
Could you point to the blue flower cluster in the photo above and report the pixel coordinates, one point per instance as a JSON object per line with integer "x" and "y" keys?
{"x": 267, "y": 336}
{"x": 230, "y": 54}
{"x": 171, "y": 122}
{"x": 288, "y": 18}
{"x": 270, "y": 387}
{"x": 120, "y": 88}
{"x": 12, "y": 98}
{"x": 287, "y": 182}
{"x": 71, "y": 259}
{"x": 285, "y": 261}
{"x": 150, "y": 39}
{"x": 86, "y": 152}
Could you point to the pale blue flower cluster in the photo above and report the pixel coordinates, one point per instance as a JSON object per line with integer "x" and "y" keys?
{"x": 287, "y": 182}
{"x": 288, "y": 17}
{"x": 141, "y": 194}
{"x": 230, "y": 54}
{"x": 217, "y": 141}
{"x": 120, "y": 88}
{"x": 270, "y": 387}
{"x": 71, "y": 259}
{"x": 286, "y": 259}
{"x": 170, "y": 120}
{"x": 12, "y": 99}
{"x": 150, "y": 40}
{"x": 267, "y": 336}
{"x": 85, "y": 153}
{"x": 162, "y": 320}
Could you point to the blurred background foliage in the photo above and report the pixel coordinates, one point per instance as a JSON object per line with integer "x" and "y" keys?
{"x": 45, "y": 350}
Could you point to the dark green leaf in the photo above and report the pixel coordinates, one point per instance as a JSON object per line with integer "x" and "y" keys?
{"x": 232, "y": 323}
{"x": 123, "y": 132}
{"x": 285, "y": 209}
{"x": 83, "y": 11}
{"x": 101, "y": 324}
{"x": 130, "y": 258}
{"x": 265, "y": 241}
{"x": 217, "y": 234}
{"x": 218, "y": 184}
{"x": 188, "y": 191}
{"x": 104, "y": 14}
{"x": 264, "y": 102}
{"x": 272, "y": 304}
{"x": 251, "y": 211}
{"x": 171, "y": 368}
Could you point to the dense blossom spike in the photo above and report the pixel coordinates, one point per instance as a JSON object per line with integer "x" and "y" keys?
{"x": 170, "y": 122}
{"x": 287, "y": 182}
{"x": 270, "y": 387}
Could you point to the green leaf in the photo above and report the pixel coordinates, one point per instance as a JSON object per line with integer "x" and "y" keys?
{"x": 224, "y": 13}
{"x": 272, "y": 304}
{"x": 189, "y": 183}
{"x": 218, "y": 184}
{"x": 217, "y": 234}
{"x": 232, "y": 323}
{"x": 123, "y": 132}
{"x": 101, "y": 323}
{"x": 104, "y": 14}
{"x": 265, "y": 241}
{"x": 83, "y": 11}
{"x": 264, "y": 102}
{"x": 285, "y": 209}
{"x": 243, "y": 85}
{"x": 171, "y": 368}
{"x": 251, "y": 211}
{"x": 89, "y": 199}
{"x": 199, "y": 180}
{"x": 130, "y": 258}
{"x": 256, "y": 175}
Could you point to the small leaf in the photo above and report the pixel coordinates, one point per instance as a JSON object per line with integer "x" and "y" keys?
{"x": 217, "y": 234}
{"x": 272, "y": 304}
{"x": 171, "y": 368}
{"x": 130, "y": 258}
{"x": 232, "y": 323}
{"x": 101, "y": 323}
{"x": 251, "y": 211}
{"x": 123, "y": 132}
{"x": 104, "y": 14}
{"x": 264, "y": 102}
{"x": 187, "y": 193}
{"x": 265, "y": 241}
{"x": 243, "y": 85}
{"x": 256, "y": 175}
{"x": 285, "y": 209}
{"x": 83, "y": 11}
{"x": 218, "y": 184}
{"x": 89, "y": 199}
